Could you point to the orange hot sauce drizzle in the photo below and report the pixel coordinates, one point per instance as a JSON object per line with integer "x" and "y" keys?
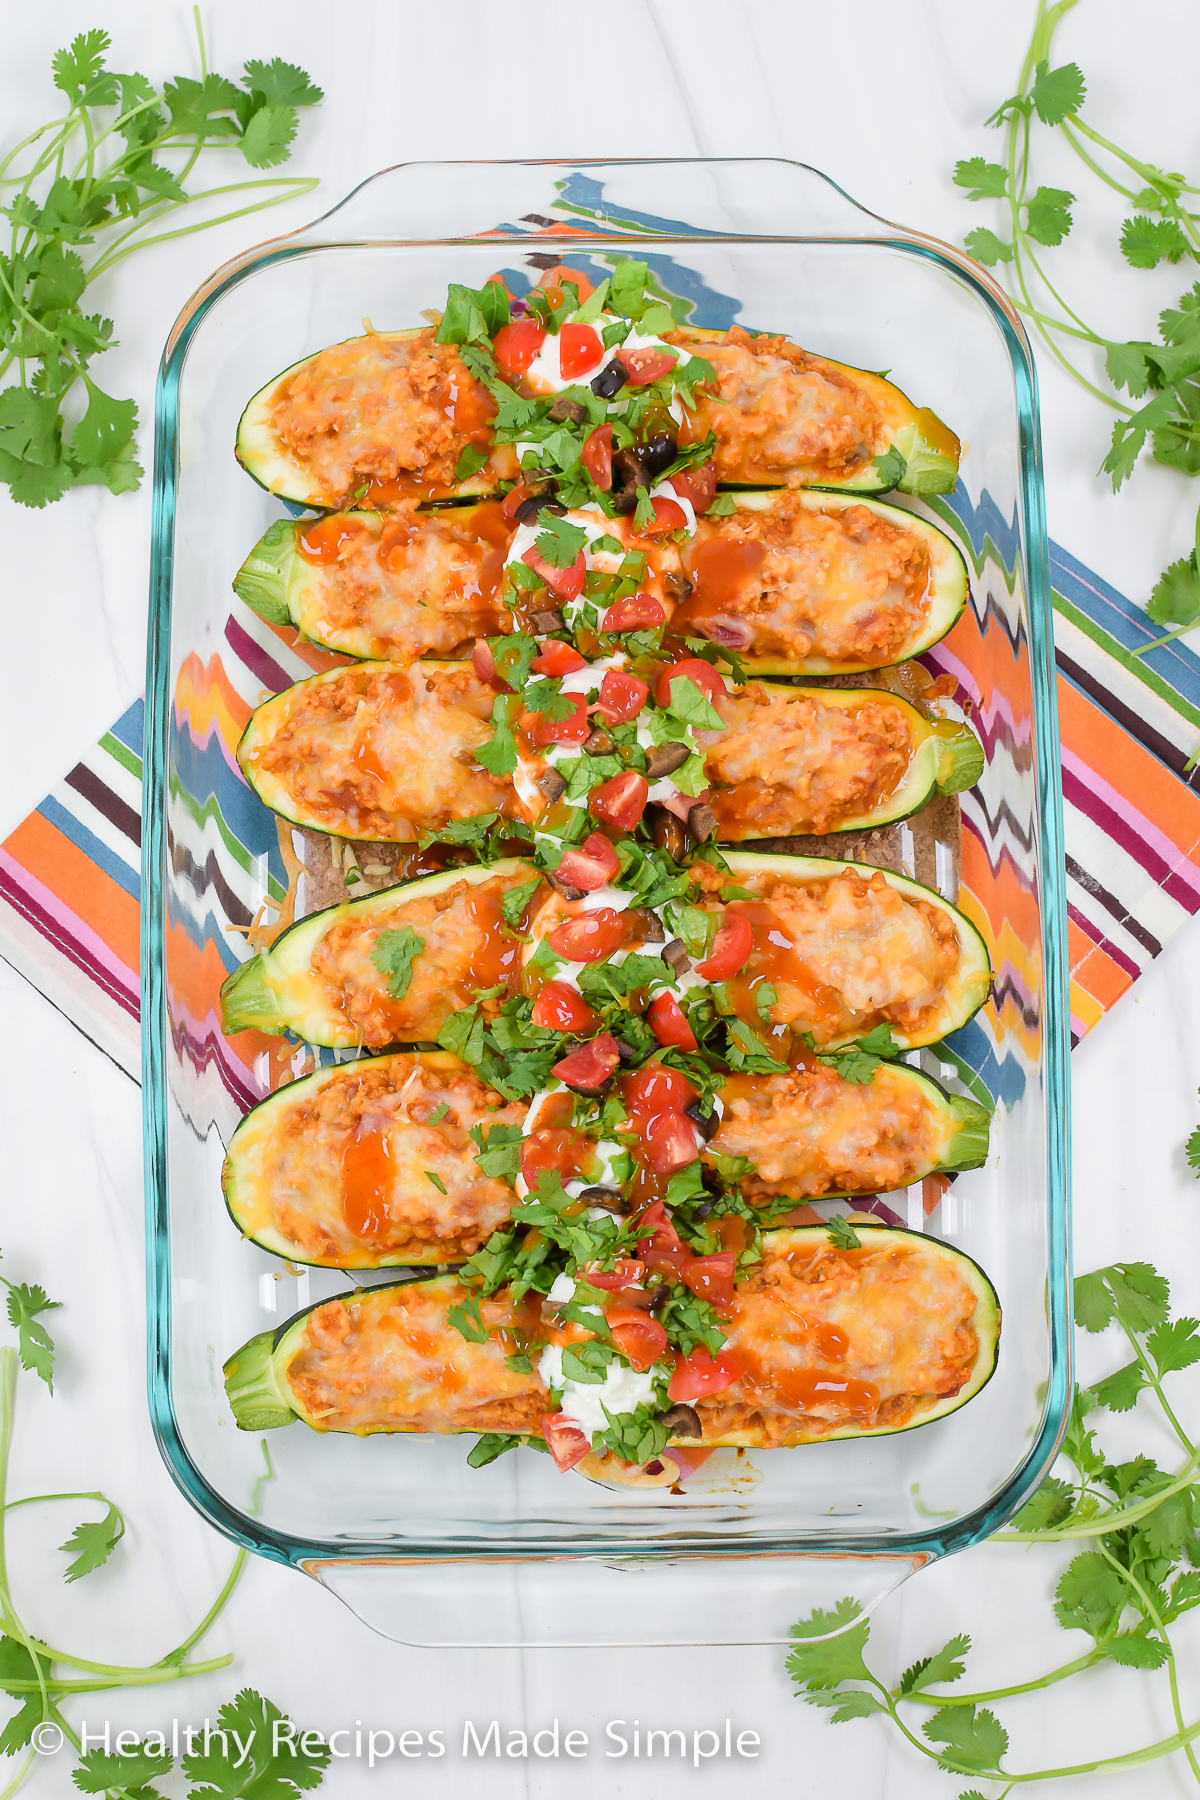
{"x": 326, "y": 541}
{"x": 774, "y": 958}
{"x": 367, "y": 1173}
{"x": 721, "y": 571}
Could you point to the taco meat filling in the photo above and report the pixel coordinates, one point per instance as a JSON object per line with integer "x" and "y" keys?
{"x": 840, "y": 584}
{"x": 781, "y": 413}
{"x": 381, "y": 408}
{"x": 830, "y": 1339}
{"x": 356, "y": 1168}
{"x": 392, "y": 1361}
{"x": 404, "y": 585}
{"x": 790, "y": 763}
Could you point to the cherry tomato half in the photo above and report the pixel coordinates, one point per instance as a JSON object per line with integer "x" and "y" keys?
{"x": 589, "y": 937}
{"x": 517, "y": 496}
{"x": 540, "y": 728}
{"x": 693, "y": 669}
{"x": 579, "y": 349}
{"x": 625, "y": 1272}
{"x": 637, "y": 1336}
{"x": 668, "y": 516}
{"x": 644, "y": 366}
{"x": 484, "y": 665}
{"x": 589, "y": 1067}
{"x": 731, "y": 948}
{"x": 554, "y": 658}
{"x": 653, "y": 1089}
{"x": 566, "y": 583}
{"x": 566, "y": 1441}
{"x": 560, "y": 1007}
{"x": 700, "y": 1374}
{"x": 621, "y": 800}
{"x": 517, "y": 344}
{"x": 711, "y": 1277}
{"x": 667, "y": 1021}
{"x": 670, "y": 1142}
{"x": 596, "y": 455}
{"x": 656, "y": 1228}
{"x": 699, "y": 485}
{"x": 634, "y": 613}
{"x": 622, "y": 697}
{"x": 590, "y": 866}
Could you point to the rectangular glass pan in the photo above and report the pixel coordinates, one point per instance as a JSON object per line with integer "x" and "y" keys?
{"x": 424, "y": 1547}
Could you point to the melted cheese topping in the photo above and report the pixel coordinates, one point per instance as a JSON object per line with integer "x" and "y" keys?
{"x": 810, "y": 1132}
{"x": 792, "y": 764}
{"x": 401, "y": 587}
{"x": 390, "y": 1360}
{"x": 355, "y": 1168}
{"x": 842, "y": 585}
{"x": 381, "y": 753}
{"x": 781, "y": 412}
{"x": 832, "y": 1338}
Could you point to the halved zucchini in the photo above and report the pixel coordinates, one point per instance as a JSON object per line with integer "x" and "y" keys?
{"x": 391, "y": 586}
{"x": 918, "y": 453}
{"x": 369, "y": 1165}
{"x": 403, "y": 452}
{"x": 807, "y": 1326}
{"x": 838, "y": 597}
{"x": 319, "y": 979}
{"x": 813, "y": 1134}
{"x": 389, "y": 1359}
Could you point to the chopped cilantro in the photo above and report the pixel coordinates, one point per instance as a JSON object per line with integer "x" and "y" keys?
{"x": 516, "y": 900}
{"x": 722, "y": 507}
{"x": 393, "y": 956}
{"x": 627, "y": 288}
{"x": 436, "y": 1180}
{"x": 546, "y": 696}
{"x": 499, "y": 754}
{"x": 890, "y": 467}
{"x": 473, "y": 314}
{"x": 643, "y": 515}
{"x": 499, "y": 1150}
{"x": 467, "y": 1321}
{"x": 842, "y": 1234}
{"x": 438, "y": 1114}
{"x": 470, "y": 461}
{"x": 637, "y": 1437}
{"x": 587, "y": 1362}
{"x": 559, "y": 542}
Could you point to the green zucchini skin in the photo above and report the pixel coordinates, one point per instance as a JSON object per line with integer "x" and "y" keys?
{"x": 261, "y": 1399}
{"x": 949, "y": 582}
{"x": 257, "y": 994}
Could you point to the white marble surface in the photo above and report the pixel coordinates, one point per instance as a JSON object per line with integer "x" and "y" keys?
{"x": 884, "y": 98}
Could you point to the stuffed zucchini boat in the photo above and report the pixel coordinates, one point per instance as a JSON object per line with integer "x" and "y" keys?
{"x": 811, "y": 584}
{"x": 388, "y": 586}
{"x": 392, "y": 413}
{"x": 390, "y": 1359}
{"x": 370, "y": 1164}
{"x": 389, "y": 969}
{"x": 837, "y": 1343}
{"x": 380, "y": 753}
{"x": 783, "y": 417}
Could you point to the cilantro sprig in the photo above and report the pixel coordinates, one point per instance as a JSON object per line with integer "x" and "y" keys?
{"x": 110, "y": 173}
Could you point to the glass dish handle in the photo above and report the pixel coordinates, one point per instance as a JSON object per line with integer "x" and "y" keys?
{"x": 618, "y": 1601}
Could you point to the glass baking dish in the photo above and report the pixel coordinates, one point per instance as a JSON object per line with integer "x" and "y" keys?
{"x": 422, "y": 1547}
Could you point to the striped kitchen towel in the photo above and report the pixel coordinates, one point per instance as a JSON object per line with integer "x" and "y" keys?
{"x": 69, "y": 874}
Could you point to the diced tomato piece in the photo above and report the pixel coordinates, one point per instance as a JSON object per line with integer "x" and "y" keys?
{"x": 557, "y": 1147}
{"x": 484, "y": 664}
{"x": 699, "y": 485}
{"x": 591, "y": 866}
{"x": 622, "y": 697}
{"x": 644, "y": 366}
{"x": 636, "y": 612}
{"x": 711, "y": 1277}
{"x": 540, "y": 728}
{"x": 667, "y": 1021}
{"x": 566, "y": 1441}
{"x": 670, "y": 1142}
{"x": 668, "y": 516}
{"x": 693, "y": 669}
{"x": 654, "y": 1089}
{"x": 589, "y": 937}
{"x": 701, "y": 1373}
{"x": 579, "y": 349}
{"x": 621, "y": 800}
{"x": 625, "y": 1272}
{"x": 560, "y": 1007}
{"x": 589, "y": 1067}
{"x": 637, "y": 1336}
{"x": 655, "y": 1227}
{"x": 731, "y": 948}
{"x": 555, "y": 658}
{"x": 566, "y": 583}
{"x": 517, "y": 344}
{"x": 596, "y": 456}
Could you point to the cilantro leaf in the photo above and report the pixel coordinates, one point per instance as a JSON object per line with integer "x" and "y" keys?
{"x": 491, "y": 1445}
{"x": 1119, "y": 1392}
{"x": 987, "y": 248}
{"x": 264, "y": 1774}
{"x": 842, "y": 1234}
{"x": 17, "y": 1664}
{"x": 627, "y": 288}
{"x": 945, "y": 1664}
{"x": 1141, "y": 1294}
{"x": 587, "y": 1362}
{"x": 987, "y": 181}
{"x": 891, "y": 467}
{"x": 281, "y": 83}
{"x": 1125, "y": 365}
{"x": 1192, "y": 1151}
{"x": 267, "y": 139}
{"x": 973, "y": 1736}
{"x": 98, "y": 1772}
{"x": 1133, "y": 1651}
{"x": 471, "y": 460}
{"x": 546, "y": 696}
{"x": 1093, "y": 1302}
{"x": 467, "y": 1322}
{"x": 1057, "y": 93}
{"x": 1174, "y": 1346}
{"x": 1146, "y": 242}
{"x": 80, "y": 74}
{"x": 34, "y": 1343}
{"x": 837, "y": 1655}
{"x": 92, "y": 1543}
{"x": 1048, "y": 215}
{"x": 499, "y": 1150}
{"x": 643, "y": 512}
{"x": 637, "y": 1436}
{"x": 1091, "y": 1596}
{"x": 473, "y": 315}
{"x": 499, "y": 754}
{"x": 722, "y": 507}
{"x": 393, "y": 954}
{"x": 1047, "y": 1506}
{"x": 559, "y": 542}
{"x": 1175, "y": 600}
{"x": 516, "y": 900}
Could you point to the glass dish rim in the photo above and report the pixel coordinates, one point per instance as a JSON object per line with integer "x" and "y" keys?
{"x": 972, "y": 1528}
